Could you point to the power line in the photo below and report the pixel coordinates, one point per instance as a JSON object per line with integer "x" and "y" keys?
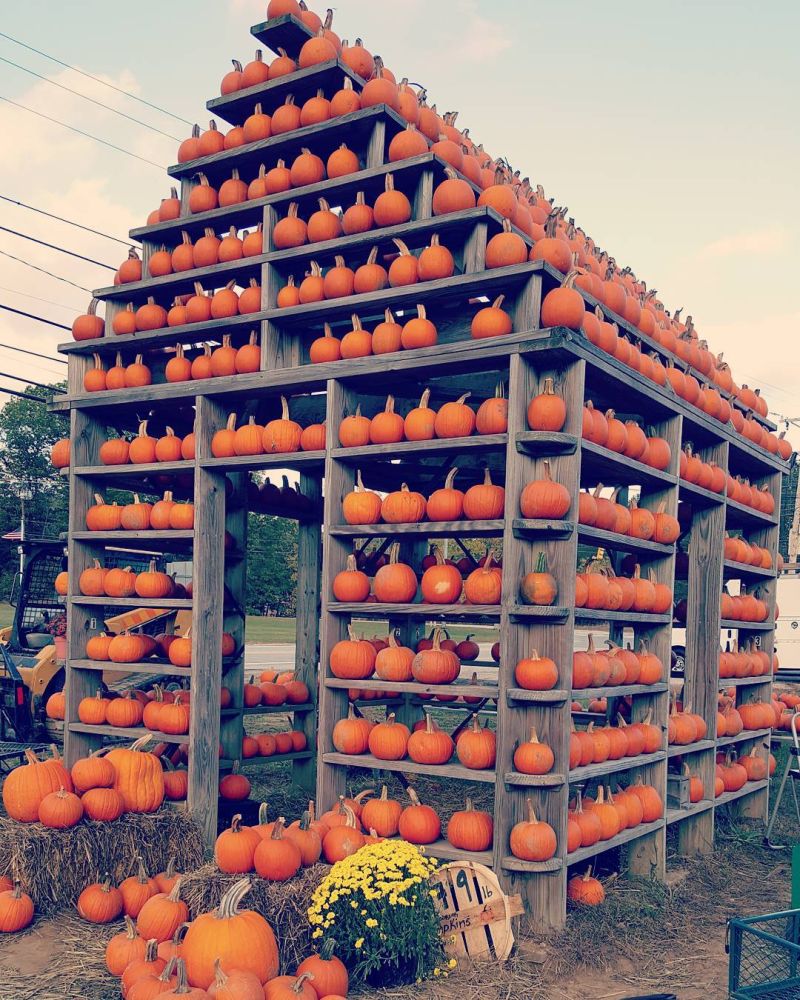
{"x": 86, "y": 135}
{"x": 51, "y": 374}
{"x": 40, "y": 319}
{"x": 22, "y": 395}
{"x": 50, "y": 274}
{"x": 85, "y": 97}
{"x": 53, "y": 246}
{"x": 27, "y": 381}
{"x": 60, "y": 218}
{"x": 34, "y": 354}
{"x": 96, "y": 79}
{"x": 36, "y": 298}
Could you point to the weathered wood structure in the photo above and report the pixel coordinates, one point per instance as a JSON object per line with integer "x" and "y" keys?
{"x": 330, "y": 391}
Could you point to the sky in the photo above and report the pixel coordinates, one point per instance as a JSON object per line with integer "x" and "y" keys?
{"x": 670, "y": 130}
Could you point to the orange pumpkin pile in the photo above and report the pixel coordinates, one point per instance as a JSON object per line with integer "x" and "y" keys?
{"x": 626, "y": 438}
{"x": 595, "y": 745}
{"x": 749, "y": 661}
{"x": 743, "y": 607}
{"x": 600, "y": 589}
{"x": 591, "y": 821}
{"x": 596, "y": 510}
{"x": 594, "y": 668}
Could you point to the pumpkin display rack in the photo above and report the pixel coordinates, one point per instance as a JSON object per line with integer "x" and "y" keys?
{"x": 471, "y": 329}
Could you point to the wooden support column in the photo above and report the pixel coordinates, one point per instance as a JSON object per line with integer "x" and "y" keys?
{"x": 208, "y": 595}
{"x": 309, "y": 571}
{"x": 543, "y": 887}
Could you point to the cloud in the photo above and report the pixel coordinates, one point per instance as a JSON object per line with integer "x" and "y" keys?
{"x": 767, "y": 240}
{"x": 482, "y": 39}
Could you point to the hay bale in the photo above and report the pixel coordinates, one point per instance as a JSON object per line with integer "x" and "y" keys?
{"x": 54, "y": 866}
{"x": 283, "y": 904}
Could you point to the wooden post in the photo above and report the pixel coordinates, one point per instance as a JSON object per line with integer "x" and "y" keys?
{"x": 208, "y": 593}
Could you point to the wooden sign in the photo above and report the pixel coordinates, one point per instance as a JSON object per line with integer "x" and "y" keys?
{"x": 474, "y": 912}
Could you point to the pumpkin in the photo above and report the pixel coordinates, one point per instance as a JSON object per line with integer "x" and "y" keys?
{"x": 491, "y": 321}
{"x": 89, "y": 325}
{"x": 393, "y": 662}
{"x": 60, "y": 810}
{"x": 532, "y": 839}
{"x": 470, "y": 829}
{"x": 103, "y": 516}
{"x": 547, "y": 411}
{"x": 430, "y": 745}
{"x": 29, "y": 783}
{"x": 476, "y": 747}
{"x": 139, "y": 777}
{"x": 419, "y": 423}
{"x": 492, "y": 415}
{"x": 544, "y": 498}
{"x": 403, "y": 506}
{"x": 533, "y": 757}
{"x": 484, "y": 584}
{"x": 154, "y": 584}
{"x": 328, "y": 973}
{"x": 539, "y": 587}
{"x": 506, "y": 248}
{"x": 418, "y": 823}
{"x": 536, "y": 673}
{"x": 585, "y": 889}
{"x": 59, "y": 454}
{"x": 277, "y": 858}
{"x": 446, "y": 503}
{"x": 290, "y": 988}
{"x": 382, "y": 814}
{"x": 441, "y": 583}
{"x": 103, "y": 804}
{"x": 91, "y": 581}
{"x": 437, "y": 664}
{"x": 238, "y": 985}
{"x": 351, "y": 734}
{"x": 395, "y": 582}
{"x": 344, "y": 839}
{"x": 361, "y": 506}
{"x": 419, "y": 331}
{"x": 100, "y": 902}
{"x": 352, "y": 658}
{"x": 563, "y": 306}
{"x": 235, "y": 847}
{"x": 124, "y": 712}
{"x": 484, "y": 501}
{"x": 351, "y": 584}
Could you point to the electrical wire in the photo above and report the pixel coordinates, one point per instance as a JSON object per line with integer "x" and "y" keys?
{"x": 69, "y": 222}
{"x": 27, "y": 381}
{"x": 36, "y": 298}
{"x": 52, "y": 375}
{"x": 53, "y": 246}
{"x": 96, "y": 79}
{"x": 85, "y": 97}
{"x": 34, "y": 354}
{"x": 22, "y": 395}
{"x": 50, "y": 274}
{"x": 87, "y": 135}
{"x": 40, "y": 319}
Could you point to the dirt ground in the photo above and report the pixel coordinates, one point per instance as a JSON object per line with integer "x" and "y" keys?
{"x": 646, "y": 939}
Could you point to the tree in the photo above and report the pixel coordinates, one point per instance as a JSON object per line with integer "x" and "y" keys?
{"x": 271, "y": 564}
{"x": 27, "y": 433}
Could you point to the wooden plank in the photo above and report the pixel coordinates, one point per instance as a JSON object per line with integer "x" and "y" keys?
{"x": 414, "y": 687}
{"x": 676, "y": 750}
{"x": 146, "y": 667}
{"x": 144, "y": 469}
{"x": 125, "y": 733}
{"x": 512, "y": 864}
{"x": 427, "y": 529}
{"x": 430, "y": 612}
{"x": 751, "y": 788}
{"x": 296, "y": 460}
{"x": 641, "y": 547}
{"x": 589, "y": 772}
{"x": 620, "y": 691}
{"x": 699, "y": 497}
{"x": 86, "y": 435}
{"x": 737, "y": 626}
{"x": 695, "y": 809}
{"x": 309, "y": 571}
{"x": 727, "y": 682}
{"x": 132, "y": 602}
{"x": 626, "y": 837}
{"x": 454, "y": 772}
{"x": 355, "y": 129}
{"x": 481, "y": 442}
{"x": 207, "y": 616}
{"x": 590, "y": 615}
{"x": 328, "y": 77}
{"x": 533, "y": 780}
{"x": 546, "y": 443}
{"x": 598, "y": 464}
{"x": 543, "y": 697}
{"x": 284, "y": 32}
{"x": 746, "y": 735}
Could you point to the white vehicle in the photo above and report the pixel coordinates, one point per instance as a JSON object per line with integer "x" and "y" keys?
{"x": 787, "y": 627}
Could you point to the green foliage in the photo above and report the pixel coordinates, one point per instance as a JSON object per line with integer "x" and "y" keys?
{"x": 27, "y": 433}
{"x": 271, "y": 564}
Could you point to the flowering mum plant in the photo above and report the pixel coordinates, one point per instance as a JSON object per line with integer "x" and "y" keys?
{"x": 378, "y": 906}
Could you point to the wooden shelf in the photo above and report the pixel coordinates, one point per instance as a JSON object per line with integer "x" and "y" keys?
{"x": 444, "y": 849}
{"x": 285, "y": 709}
{"x": 590, "y": 535}
{"x": 675, "y": 750}
{"x": 747, "y": 789}
{"x": 726, "y": 682}
{"x": 412, "y": 687}
{"x": 138, "y": 539}
{"x": 730, "y": 623}
{"x": 542, "y": 528}
{"x": 533, "y": 780}
{"x": 143, "y": 667}
{"x": 300, "y": 461}
{"x": 328, "y": 76}
{"x": 744, "y": 736}
{"x": 698, "y": 496}
{"x": 512, "y": 864}
{"x": 284, "y": 32}
{"x": 544, "y": 443}
{"x": 456, "y": 772}
{"x": 388, "y": 452}
{"x": 555, "y": 613}
{"x": 635, "y": 833}
{"x": 143, "y": 469}
{"x": 694, "y": 809}
{"x": 591, "y": 771}
{"x": 253, "y": 763}
{"x": 598, "y": 464}
{"x": 552, "y": 697}
{"x": 620, "y": 691}
{"x": 590, "y": 615}
{"x": 167, "y": 603}
{"x": 425, "y": 529}
{"x": 354, "y": 129}
{"x": 741, "y": 571}
{"x": 132, "y": 733}
{"x": 739, "y": 516}
{"x": 429, "y": 612}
